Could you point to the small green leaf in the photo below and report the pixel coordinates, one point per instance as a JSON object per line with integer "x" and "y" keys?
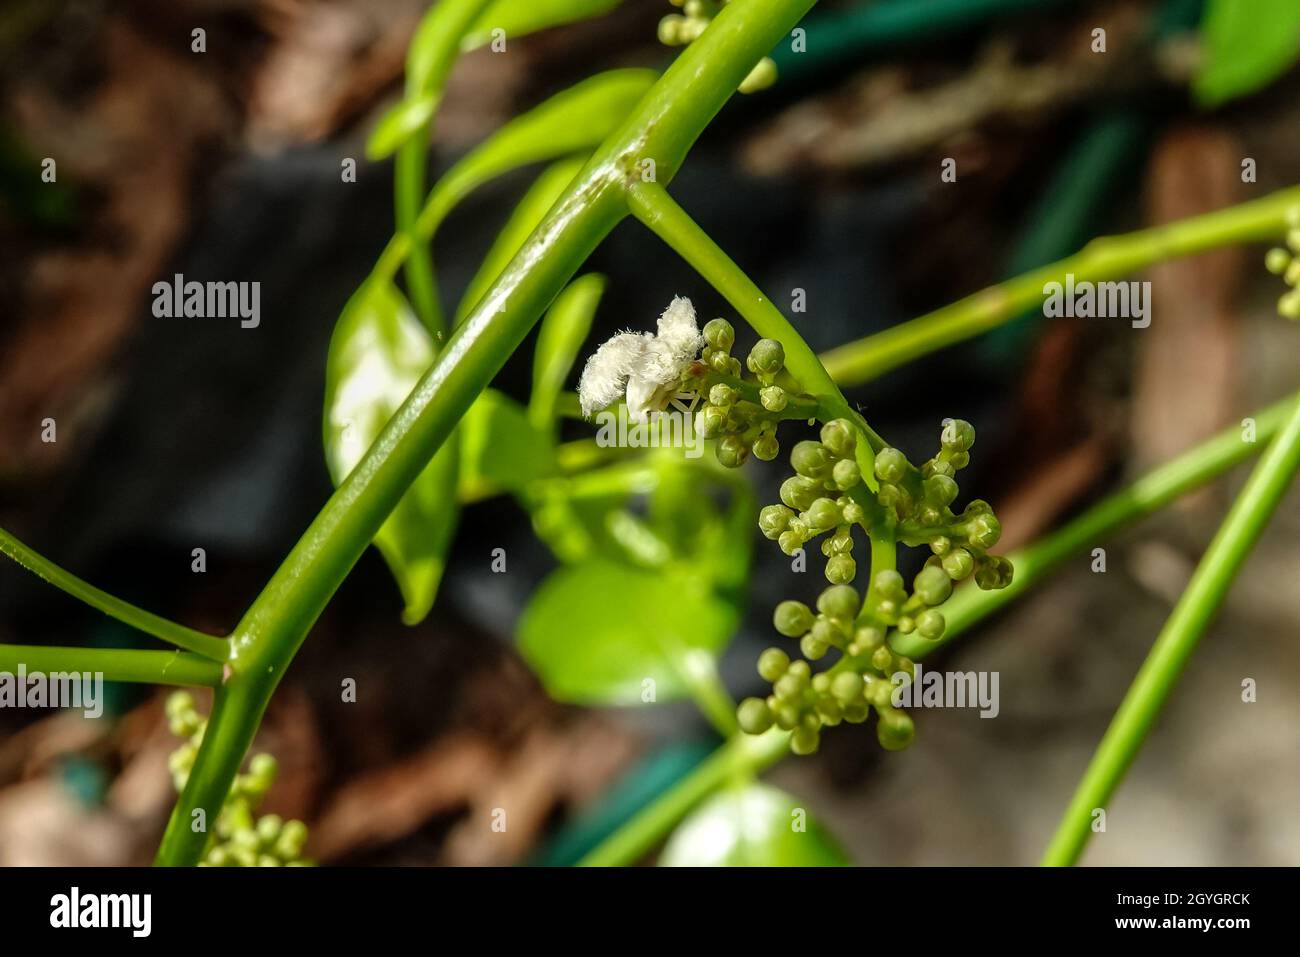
{"x": 564, "y": 329}
{"x": 751, "y": 826}
{"x": 1247, "y": 45}
{"x": 397, "y": 125}
{"x": 378, "y": 352}
{"x": 499, "y": 447}
{"x": 521, "y": 17}
{"x": 572, "y": 121}
{"x": 541, "y": 196}
{"x": 599, "y": 632}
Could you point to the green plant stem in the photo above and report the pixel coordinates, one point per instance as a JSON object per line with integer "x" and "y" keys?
{"x": 434, "y": 52}
{"x": 1108, "y": 257}
{"x": 1197, "y": 607}
{"x": 741, "y": 755}
{"x": 660, "y": 213}
{"x": 209, "y": 646}
{"x": 967, "y": 607}
{"x": 664, "y": 126}
{"x": 115, "y": 664}
{"x": 699, "y": 672}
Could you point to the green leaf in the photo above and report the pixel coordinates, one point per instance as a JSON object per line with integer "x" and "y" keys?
{"x": 751, "y": 826}
{"x": 433, "y": 52}
{"x": 378, "y": 352}
{"x": 595, "y": 632}
{"x": 1247, "y": 44}
{"x": 574, "y": 120}
{"x": 521, "y": 17}
{"x": 541, "y": 196}
{"x": 398, "y": 124}
{"x": 564, "y": 329}
{"x": 499, "y": 447}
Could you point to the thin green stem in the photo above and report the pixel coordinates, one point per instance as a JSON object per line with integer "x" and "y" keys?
{"x": 700, "y": 673}
{"x": 1108, "y": 257}
{"x": 209, "y": 646}
{"x": 664, "y": 125}
{"x": 967, "y": 607}
{"x": 1197, "y": 607}
{"x": 115, "y": 664}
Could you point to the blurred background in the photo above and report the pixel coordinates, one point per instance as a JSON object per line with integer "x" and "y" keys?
{"x": 181, "y": 434}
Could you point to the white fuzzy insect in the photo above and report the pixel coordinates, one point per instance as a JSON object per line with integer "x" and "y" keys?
{"x": 642, "y": 368}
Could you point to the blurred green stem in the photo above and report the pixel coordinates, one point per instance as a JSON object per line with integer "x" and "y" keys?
{"x": 213, "y": 648}
{"x": 1197, "y": 607}
{"x": 115, "y": 664}
{"x": 1108, "y": 257}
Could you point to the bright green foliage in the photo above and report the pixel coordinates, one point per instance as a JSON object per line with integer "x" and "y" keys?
{"x": 1286, "y": 263}
{"x": 1246, "y": 45}
{"x": 753, "y": 825}
{"x": 240, "y": 838}
{"x": 680, "y": 29}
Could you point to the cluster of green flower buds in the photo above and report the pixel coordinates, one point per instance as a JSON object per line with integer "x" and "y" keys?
{"x": 816, "y": 501}
{"x": 802, "y": 702}
{"x": 920, "y": 501}
{"x": 240, "y": 838}
{"x": 742, "y": 413}
{"x": 827, "y": 495}
{"x": 680, "y": 29}
{"x": 1286, "y": 263}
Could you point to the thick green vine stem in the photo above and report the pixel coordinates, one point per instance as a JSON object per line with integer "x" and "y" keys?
{"x": 662, "y": 127}
{"x": 1195, "y": 610}
{"x": 239, "y": 837}
{"x": 115, "y": 664}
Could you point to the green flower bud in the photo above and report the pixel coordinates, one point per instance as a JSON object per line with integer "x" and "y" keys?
{"x": 812, "y": 646}
{"x": 772, "y": 664}
{"x": 788, "y": 689}
{"x": 882, "y": 659}
{"x": 957, "y": 436}
{"x": 799, "y": 491}
{"x": 720, "y": 362}
{"x": 766, "y": 358}
{"x": 867, "y": 639}
{"x": 930, "y": 624}
{"x": 894, "y": 730}
{"x": 846, "y": 474}
{"x": 891, "y": 466}
{"x": 290, "y": 843}
{"x": 1277, "y": 261}
{"x": 792, "y": 618}
{"x": 854, "y": 514}
{"x": 1289, "y": 305}
{"x": 823, "y": 514}
{"x": 790, "y": 542}
{"x": 839, "y": 601}
{"x": 719, "y": 334}
{"x": 941, "y": 545}
{"x": 837, "y": 435}
{"x": 732, "y": 451}
{"x": 774, "y": 519}
{"x": 787, "y": 716}
{"x": 847, "y": 687}
{"x": 889, "y": 584}
{"x": 773, "y": 398}
{"x": 958, "y": 563}
{"x": 711, "y": 421}
{"x": 906, "y": 625}
{"x": 722, "y": 395}
{"x": 841, "y": 569}
{"x": 670, "y": 30}
{"x": 804, "y": 741}
{"x": 821, "y": 683}
{"x": 993, "y": 572}
{"x": 760, "y": 77}
{"x": 810, "y": 459}
{"x": 856, "y": 712}
{"x": 940, "y": 490}
{"x": 766, "y": 448}
{"x": 932, "y": 585}
{"x": 753, "y": 715}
